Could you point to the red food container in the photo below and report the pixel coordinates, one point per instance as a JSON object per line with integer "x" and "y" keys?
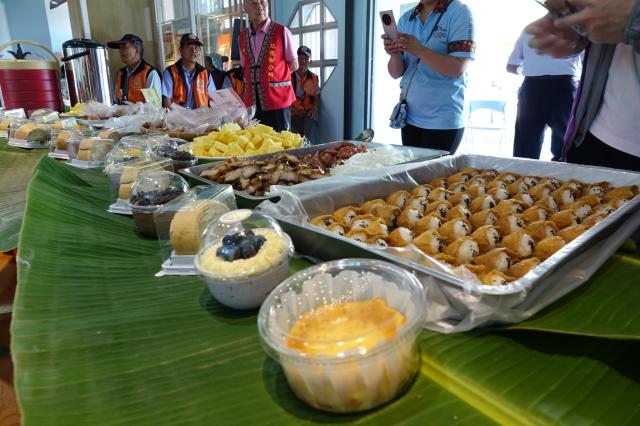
{"x": 30, "y": 83}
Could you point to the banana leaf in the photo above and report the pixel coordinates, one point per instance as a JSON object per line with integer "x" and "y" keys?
{"x": 595, "y": 309}
{"x": 16, "y": 169}
{"x": 97, "y": 339}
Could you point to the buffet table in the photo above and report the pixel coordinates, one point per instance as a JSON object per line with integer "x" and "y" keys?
{"x": 98, "y": 339}
{"x": 16, "y": 168}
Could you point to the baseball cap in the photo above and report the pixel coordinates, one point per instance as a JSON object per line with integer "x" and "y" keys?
{"x": 127, "y": 38}
{"x": 304, "y": 50}
{"x": 189, "y": 38}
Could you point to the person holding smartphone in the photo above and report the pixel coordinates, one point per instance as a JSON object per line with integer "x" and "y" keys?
{"x": 434, "y": 45}
{"x": 604, "y": 128}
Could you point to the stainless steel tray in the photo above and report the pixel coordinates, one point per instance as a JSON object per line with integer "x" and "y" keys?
{"x": 250, "y": 201}
{"x": 467, "y": 304}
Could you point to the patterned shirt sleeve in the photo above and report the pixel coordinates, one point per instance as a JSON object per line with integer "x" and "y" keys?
{"x": 461, "y": 41}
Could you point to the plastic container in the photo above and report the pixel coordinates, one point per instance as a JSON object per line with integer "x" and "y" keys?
{"x": 183, "y": 221}
{"x": 30, "y": 131}
{"x": 92, "y": 152}
{"x": 122, "y": 176}
{"x": 73, "y": 145}
{"x": 126, "y": 150}
{"x": 183, "y": 158}
{"x": 151, "y": 191}
{"x": 354, "y": 371}
{"x": 243, "y": 257}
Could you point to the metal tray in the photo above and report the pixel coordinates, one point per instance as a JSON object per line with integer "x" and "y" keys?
{"x": 464, "y": 301}
{"x": 250, "y": 201}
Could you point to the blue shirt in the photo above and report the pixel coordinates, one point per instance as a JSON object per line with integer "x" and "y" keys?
{"x": 436, "y": 101}
{"x": 167, "y": 86}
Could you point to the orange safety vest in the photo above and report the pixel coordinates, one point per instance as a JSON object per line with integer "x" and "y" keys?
{"x": 236, "y": 81}
{"x": 130, "y": 89}
{"x": 302, "y": 105}
{"x": 200, "y": 83}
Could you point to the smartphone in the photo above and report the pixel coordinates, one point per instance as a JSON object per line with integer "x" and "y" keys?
{"x": 571, "y": 9}
{"x": 389, "y": 24}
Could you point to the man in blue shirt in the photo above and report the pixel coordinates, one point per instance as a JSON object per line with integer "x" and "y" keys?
{"x": 187, "y": 83}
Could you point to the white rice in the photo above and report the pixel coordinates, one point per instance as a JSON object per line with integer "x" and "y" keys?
{"x": 372, "y": 159}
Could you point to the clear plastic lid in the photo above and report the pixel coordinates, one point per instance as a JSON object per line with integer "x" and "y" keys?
{"x": 43, "y": 115}
{"x": 184, "y": 219}
{"x": 128, "y": 149}
{"x": 29, "y": 130}
{"x": 240, "y": 244}
{"x": 334, "y": 294}
{"x": 162, "y": 146}
{"x": 157, "y": 188}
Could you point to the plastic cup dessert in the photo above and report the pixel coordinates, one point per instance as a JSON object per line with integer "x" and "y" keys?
{"x": 182, "y": 160}
{"x": 345, "y": 333}
{"x": 243, "y": 257}
{"x": 151, "y": 191}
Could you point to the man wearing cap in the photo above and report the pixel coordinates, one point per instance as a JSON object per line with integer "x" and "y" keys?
{"x": 268, "y": 57}
{"x": 304, "y": 110}
{"x": 187, "y": 83}
{"x": 136, "y": 74}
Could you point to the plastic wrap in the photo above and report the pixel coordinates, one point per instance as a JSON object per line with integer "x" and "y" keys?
{"x": 457, "y": 301}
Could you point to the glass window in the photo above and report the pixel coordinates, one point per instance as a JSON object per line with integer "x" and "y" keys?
{"x": 315, "y": 26}
{"x": 311, "y": 14}
{"x": 327, "y": 73}
{"x": 331, "y": 43}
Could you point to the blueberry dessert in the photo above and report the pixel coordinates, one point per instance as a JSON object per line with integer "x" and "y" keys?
{"x": 241, "y": 245}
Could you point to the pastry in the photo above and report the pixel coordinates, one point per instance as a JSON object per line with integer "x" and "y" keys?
{"x": 520, "y": 243}
{"x": 480, "y": 180}
{"x": 572, "y": 232}
{"x": 438, "y": 194}
{"x": 593, "y": 219}
{"x": 591, "y": 199}
{"x": 439, "y": 207}
{"x": 445, "y": 258}
{"x": 499, "y": 194}
{"x": 454, "y": 229}
{"x": 564, "y": 218}
{"x": 509, "y": 223}
{"x": 547, "y": 247}
{"x": 323, "y": 221}
{"x": 485, "y": 217}
{"x": 378, "y": 240}
{"x": 189, "y": 222}
{"x": 388, "y": 214}
{"x": 458, "y": 187}
{"x": 457, "y": 177}
{"x": 337, "y": 229}
{"x": 400, "y": 237}
{"x": 518, "y": 186}
{"x": 112, "y": 134}
{"x": 542, "y": 229}
{"x": 494, "y": 278}
{"x": 497, "y": 184}
{"x": 369, "y": 223}
{"x": 358, "y": 235}
{"x": 463, "y": 249}
{"x": 430, "y": 221}
{"x": 408, "y": 217}
{"x": 430, "y": 242}
{"x": 460, "y": 198}
{"x": 93, "y": 150}
{"x": 523, "y": 267}
{"x": 368, "y": 207}
{"x": 476, "y": 191}
{"x": 540, "y": 191}
{"x": 458, "y": 212}
{"x": 417, "y": 203}
{"x": 485, "y": 202}
{"x": 549, "y": 203}
{"x": 498, "y": 259}
{"x": 508, "y": 177}
{"x": 551, "y": 182}
{"x": 506, "y": 207}
{"x": 438, "y": 183}
{"x": 61, "y": 140}
{"x": 580, "y": 209}
{"x": 345, "y": 215}
{"x": 487, "y": 237}
{"x": 421, "y": 190}
{"x": 471, "y": 171}
{"x": 564, "y": 196}
{"x": 599, "y": 188}
{"x": 398, "y": 199}
{"x": 606, "y": 209}
{"x": 534, "y": 214}
{"x": 530, "y": 181}
{"x": 525, "y": 198}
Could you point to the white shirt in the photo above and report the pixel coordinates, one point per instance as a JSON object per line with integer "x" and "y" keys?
{"x": 534, "y": 65}
{"x": 617, "y": 122}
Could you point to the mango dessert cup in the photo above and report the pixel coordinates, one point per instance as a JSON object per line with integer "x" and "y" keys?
{"x": 345, "y": 333}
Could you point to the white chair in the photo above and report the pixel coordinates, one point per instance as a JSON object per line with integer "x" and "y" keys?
{"x": 487, "y": 117}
